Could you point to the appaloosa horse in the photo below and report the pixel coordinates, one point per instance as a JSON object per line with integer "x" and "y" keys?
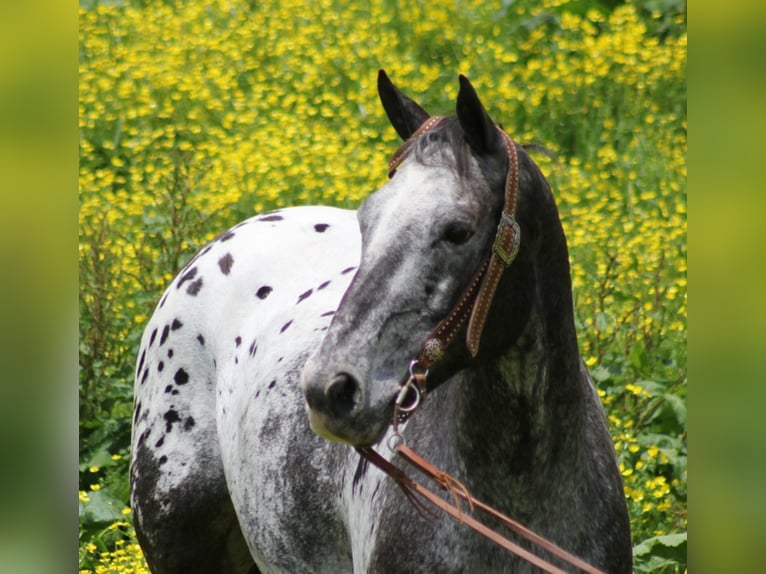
{"x": 322, "y": 311}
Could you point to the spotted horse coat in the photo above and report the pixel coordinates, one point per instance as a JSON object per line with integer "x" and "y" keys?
{"x": 255, "y": 303}
{"x": 288, "y": 311}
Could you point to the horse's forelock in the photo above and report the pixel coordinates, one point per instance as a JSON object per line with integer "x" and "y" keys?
{"x": 430, "y": 148}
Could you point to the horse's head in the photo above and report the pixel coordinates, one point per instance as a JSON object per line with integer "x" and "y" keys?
{"x": 425, "y": 234}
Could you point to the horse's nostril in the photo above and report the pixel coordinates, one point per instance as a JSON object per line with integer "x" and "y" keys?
{"x": 342, "y": 394}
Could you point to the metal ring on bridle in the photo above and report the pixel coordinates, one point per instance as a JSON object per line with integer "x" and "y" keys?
{"x": 395, "y": 441}
{"x": 403, "y": 393}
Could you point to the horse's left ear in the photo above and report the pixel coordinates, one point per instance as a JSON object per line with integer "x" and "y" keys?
{"x": 479, "y": 128}
{"x": 403, "y": 113}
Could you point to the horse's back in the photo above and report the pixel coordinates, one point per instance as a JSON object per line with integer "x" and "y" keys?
{"x": 235, "y": 316}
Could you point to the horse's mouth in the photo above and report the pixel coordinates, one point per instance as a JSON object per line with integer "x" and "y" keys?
{"x": 361, "y": 430}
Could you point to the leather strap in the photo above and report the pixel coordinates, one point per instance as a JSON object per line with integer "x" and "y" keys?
{"x": 474, "y": 303}
{"x": 477, "y": 298}
{"x": 398, "y": 157}
{"x": 457, "y": 489}
{"x": 504, "y": 249}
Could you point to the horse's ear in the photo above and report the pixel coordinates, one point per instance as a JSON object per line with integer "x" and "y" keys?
{"x": 403, "y": 113}
{"x": 479, "y": 128}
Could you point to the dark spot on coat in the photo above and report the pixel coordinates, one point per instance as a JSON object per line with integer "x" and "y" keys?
{"x": 226, "y": 236}
{"x": 163, "y": 459}
{"x": 271, "y": 218}
{"x": 272, "y": 383}
{"x": 168, "y": 388}
{"x": 181, "y": 377}
{"x": 160, "y": 366}
{"x": 194, "y": 288}
{"x": 347, "y": 270}
{"x": 285, "y": 326}
{"x": 191, "y": 274}
{"x": 253, "y": 348}
{"x": 141, "y": 361}
{"x": 321, "y": 227}
{"x": 328, "y": 314}
{"x": 160, "y": 442}
{"x": 238, "y": 341}
{"x": 146, "y": 374}
{"x": 304, "y": 295}
{"x": 170, "y": 353}
{"x": 171, "y": 417}
{"x": 201, "y": 340}
{"x": 263, "y": 292}
{"x": 225, "y": 263}
{"x": 165, "y": 333}
{"x": 154, "y": 336}
{"x": 136, "y": 412}
{"x": 162, "y": 301}
{"x": 323, "y": 285}
{"x": 188, "y": 423}
{"x": 176, "y": 325}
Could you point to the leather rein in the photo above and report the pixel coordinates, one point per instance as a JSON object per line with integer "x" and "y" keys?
{"x": 473, "y": 307}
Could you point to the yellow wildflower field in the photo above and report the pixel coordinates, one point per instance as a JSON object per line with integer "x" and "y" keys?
{"x": 196, "y": 115}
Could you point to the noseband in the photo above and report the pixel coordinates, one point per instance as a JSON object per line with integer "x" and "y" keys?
{"x": 473, "y": 305}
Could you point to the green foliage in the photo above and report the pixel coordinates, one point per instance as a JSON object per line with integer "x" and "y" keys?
{"x": 660, "y": 553}
{"x": 194, "y": 116}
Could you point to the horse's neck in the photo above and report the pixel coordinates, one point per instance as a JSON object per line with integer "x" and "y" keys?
{"x": 525, "y": 409}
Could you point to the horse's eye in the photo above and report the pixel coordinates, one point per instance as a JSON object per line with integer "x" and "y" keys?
{"x": 457, "y": 233}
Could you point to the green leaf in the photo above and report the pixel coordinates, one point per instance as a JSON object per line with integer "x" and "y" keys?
{"x": 102, "y": 507}
{"x": 604, "y": 321}
{"x": 660, "y": 551}
{"x": 678, "y": 406}
{"x": 638, "y": 356}
{"x": 600, "y": 374}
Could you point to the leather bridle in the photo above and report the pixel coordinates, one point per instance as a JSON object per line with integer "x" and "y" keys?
{"x": 473, "y": 306}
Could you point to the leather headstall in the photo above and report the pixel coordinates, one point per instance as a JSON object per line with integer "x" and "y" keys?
{"x": 473, "y": 306}
{"x": 475, "y": 301}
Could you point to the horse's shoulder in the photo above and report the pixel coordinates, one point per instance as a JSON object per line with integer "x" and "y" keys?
{"x": 254, "y": 281}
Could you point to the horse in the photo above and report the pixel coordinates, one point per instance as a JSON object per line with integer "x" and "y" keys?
{"x": 290, "y": 338}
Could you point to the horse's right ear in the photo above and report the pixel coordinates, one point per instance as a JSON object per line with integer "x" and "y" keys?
{"x": 403, "y": 113}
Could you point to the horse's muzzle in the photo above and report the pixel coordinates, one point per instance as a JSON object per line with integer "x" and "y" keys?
{"x": 340, "y": 409}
